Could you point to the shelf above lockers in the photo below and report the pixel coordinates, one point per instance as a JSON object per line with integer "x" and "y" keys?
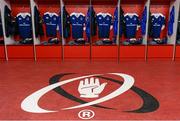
{"x": 106, "y": 3}
{"x": 161, "y": 2}
{"x": 133, "y": 1}
{"x": 75, "y": 2}
{"x": 47, "y": 2}
{"x": 19, "y": 1}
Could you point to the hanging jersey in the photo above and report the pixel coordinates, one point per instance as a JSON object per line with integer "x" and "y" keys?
{"x": 66, "y": 23}
{"x": 132, "y": 22}
{"x": 178, "y": 31}
{"x": 77, "y": 21}
{"x": 171, "y": 21}
{"x": 91, "y": 24}
{"x": 51, "y": 21}
{"x": 8, "y": 21}
{"x": 104, "y": 24}
{"x": 157, "y": 22}
{"x": 38, "y": 23}
{"x": 24, "y": 25}
{"x": 115, "y": 23}
{"x": 144, "y": 21}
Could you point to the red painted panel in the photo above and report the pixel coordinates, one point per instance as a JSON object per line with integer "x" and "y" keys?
{"x": 104, "y": 51}
{"x": 178, "y": 51}
{"x": 48, "y": 51}
{"x": 158, "y": 51}
{"x": 76, "y": 51}
{"x": 132, "y": 51}
{"x": 20, "y": 52}
{"x": 2, "y": 53}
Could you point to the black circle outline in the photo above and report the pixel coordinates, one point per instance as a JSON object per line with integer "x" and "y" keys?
{"x": 150, "y": 103}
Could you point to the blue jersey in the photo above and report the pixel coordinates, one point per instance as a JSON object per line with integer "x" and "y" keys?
{"x": 77, "y": 21}
{"x": 104, "y": 24}
{"x": 24, "y": 24}
{"x": 51, "y": 22}
{"x": 171, "y": 21}
{"x": 66, "y": 23}
{"x": 144, "y": 21}
{"x": 132, "y": 22}
{"x": 91, "y": 24}
{"x": 115, "y": 23}
{"x": 88, "y": 21}
{"x": 158, "y": 21}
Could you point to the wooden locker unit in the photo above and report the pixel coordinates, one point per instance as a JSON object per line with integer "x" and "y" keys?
{"x": 17, "y": 51}
{"x": 104, "y": 51}
{"x": 134, "y": 51}
{"x": 76, "y": 51}
{"x": 46, "y": 51}
{"x": 90, "y": 51}
{"x": 161, "y": 51}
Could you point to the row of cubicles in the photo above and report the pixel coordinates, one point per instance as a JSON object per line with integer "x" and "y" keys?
{"x": 37, "y": 51}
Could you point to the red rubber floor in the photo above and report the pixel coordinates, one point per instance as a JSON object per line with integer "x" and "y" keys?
{"x": 161, "y": 79}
